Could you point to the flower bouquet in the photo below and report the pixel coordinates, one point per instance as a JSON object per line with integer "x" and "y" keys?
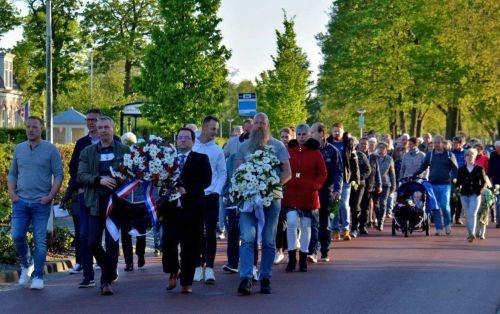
{"x": 256, "y": 180}
{"x": 152, "y": 164}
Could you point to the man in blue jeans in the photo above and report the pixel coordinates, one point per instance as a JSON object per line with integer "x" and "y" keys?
{"x": 441, "y": 164}
{"x": 34, "y": 179}
{"x": 344, "y": 143}
{"x": 259, "y": 138}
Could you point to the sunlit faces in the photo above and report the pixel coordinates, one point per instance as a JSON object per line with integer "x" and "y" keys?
{"x": 91, "y": 120}
{"x": 34, "y": 129}
{"x": 337, "y": 132}
{"x": 184, "y": 141}
{"x": 105, "y": 129}
{"x": 210, "y": 129}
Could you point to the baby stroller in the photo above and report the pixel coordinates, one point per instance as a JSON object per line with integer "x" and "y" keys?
{"x": 410, "y": 212}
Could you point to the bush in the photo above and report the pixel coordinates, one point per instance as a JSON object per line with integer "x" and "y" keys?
{"x": 7, "y": 250}
{"x": 61, "y": 242}
{"x": 12, "y": 135}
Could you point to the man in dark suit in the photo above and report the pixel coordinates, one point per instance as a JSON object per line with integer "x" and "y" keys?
{"x": 182, "y": 225}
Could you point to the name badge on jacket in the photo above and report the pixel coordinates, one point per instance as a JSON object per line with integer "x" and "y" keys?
{"x": 107, "y": 157}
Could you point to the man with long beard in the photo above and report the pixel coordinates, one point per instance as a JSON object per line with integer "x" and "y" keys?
{"x": 259, "y": 138}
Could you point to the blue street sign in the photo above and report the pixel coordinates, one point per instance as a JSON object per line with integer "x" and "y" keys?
{"x": 247, "y": 104}
{"x": 361, "y": 121}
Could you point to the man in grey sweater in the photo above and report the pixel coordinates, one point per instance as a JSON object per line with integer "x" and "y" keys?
{"x": 34, "y": 179}
{"x": 412, "y": 160}
{"x": 441, "y": 163}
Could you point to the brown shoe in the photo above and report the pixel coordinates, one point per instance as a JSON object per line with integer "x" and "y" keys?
{"x": 187, "y": 289}
{"x": 347, "y": 236}
{"x": 172, "y": 281}
{"x": 106, "y": 289}
{"x": 336, "y": 235}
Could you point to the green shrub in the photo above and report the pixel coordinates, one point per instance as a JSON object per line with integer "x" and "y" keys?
{"x": 7, "y": 250}
{"x": 61, "y": 241}
{"x": 8, "y": 135}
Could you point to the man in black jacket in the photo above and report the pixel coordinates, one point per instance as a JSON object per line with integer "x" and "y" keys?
{"x": 344, "y": 143}
{"x": 182, "y": 224}
{"x": 75, "y": 190}
{"x": 357, "y": 194}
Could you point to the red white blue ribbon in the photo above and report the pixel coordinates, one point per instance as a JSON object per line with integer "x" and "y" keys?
{"x": 122, "y": 192}
{"x": 150, "y": 201}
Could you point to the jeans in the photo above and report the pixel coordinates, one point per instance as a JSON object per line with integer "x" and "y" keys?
{"x": 391, "y": 198}
{"x": 25, "y": 213}
{"x": 221, "y": 221}
{"x": 315, "y": 233}
{"x": 470, "y": 203}
{"x": 157, "y": 231}
{"x": 296, "y": 219}
{"x": 343, "y": 219}
{"x": 76, "y": 241}
{"x": 381, "y": 205}
{"x": 248, "y": 234}
{"x": 442, "y": 193}
{"x": 355, "y": 203}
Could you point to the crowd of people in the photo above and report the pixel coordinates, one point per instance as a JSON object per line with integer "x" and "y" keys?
{"x": 320, "y": 168}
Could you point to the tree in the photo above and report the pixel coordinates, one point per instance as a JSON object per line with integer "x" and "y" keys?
{"x": 184, "y": 74}
{"x": 68, "y": 60}
{"x": 283, "y": 91}
{"x": 120, "y": 29}
{"x": 9, "y": 17}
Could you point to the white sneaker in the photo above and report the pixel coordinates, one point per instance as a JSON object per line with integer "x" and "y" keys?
{"x": 325, "y": 259}
{"x": 255, "y": 273}
{"x": 198, "y": 274}
{"x": 279, "y": 258}
{"x": 448, "y": 229}
{"x": 26, "y": 274}
{"x": 37, "y": 284}
{"x": 76, "y": 269}
{"x": 312, "y": 259}
{"x": 209, "y": 275}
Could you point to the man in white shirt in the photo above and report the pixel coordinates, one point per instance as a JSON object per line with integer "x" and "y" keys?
{"x": 205, "y": 144}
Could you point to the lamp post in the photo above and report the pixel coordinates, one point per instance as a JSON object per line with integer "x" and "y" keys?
{"x": 230, "y": 120}
{"x": 48, "y": 65}
{"x": 361, "y": 121}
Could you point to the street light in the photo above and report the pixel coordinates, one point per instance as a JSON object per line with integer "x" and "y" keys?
{"x": 48, "y": 70}
{"x": 361, "y": 121}
{"x": 230, "y": 120}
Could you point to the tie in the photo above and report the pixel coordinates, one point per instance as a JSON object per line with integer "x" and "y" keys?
{"x": 181, "y": 158}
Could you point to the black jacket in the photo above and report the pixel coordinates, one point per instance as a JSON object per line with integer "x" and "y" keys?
{"x": 364, "y": 167}
{"x": 374, "y": 180}
{"x": 195, "y": 177}
{"x": 494, "y": 168}
{"x": 471, "y": 183}
{"x": 349, "y": 159}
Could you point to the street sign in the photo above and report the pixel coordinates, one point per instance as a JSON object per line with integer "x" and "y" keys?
{"x": 361, "y": 121}
{"x": 247, "y": 104}
{"x": 132, "y": 109}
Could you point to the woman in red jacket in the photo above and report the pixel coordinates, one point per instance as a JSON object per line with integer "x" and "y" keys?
{"x": 301, "y": 198}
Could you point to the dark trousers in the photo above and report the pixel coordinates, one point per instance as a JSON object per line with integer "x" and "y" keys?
{"x": 140, "y": 246}
{"x": 76, "y": 241}
{"x": 91, "y": 230}
{"x": 313, "y": 243}
{"x": 355, "y": 205}
{"x": 365, "y": 208}
{"x": 209, "y": 227}
{"x": 181, "y": 227}
{"x": 233, "y": 238}
{"x": 456, "y": 208}
{"x": 324, "y": 234}
{"x": 281, "y": 241}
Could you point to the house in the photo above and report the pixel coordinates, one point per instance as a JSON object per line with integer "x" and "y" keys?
{"x": 10, "y": 94}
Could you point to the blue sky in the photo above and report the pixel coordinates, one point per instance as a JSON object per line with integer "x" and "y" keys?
{"x": 248, "y": 28}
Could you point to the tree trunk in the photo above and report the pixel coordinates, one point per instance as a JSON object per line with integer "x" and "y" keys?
{"x": 393, "y": 126}
{"x": 402, "y": 121}
{"x": 418, "y": 129}
{"x": 413, "y": 121}
{"x": 451, "y": 121}
{"x": 127, "y": 84}
{"x": 459, "y": 121}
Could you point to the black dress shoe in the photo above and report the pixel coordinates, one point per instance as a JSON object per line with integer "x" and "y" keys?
{"x": 265, "y": 286}
{"x": 106, "y": 289}
{"x": 172, "y": 281}
{"x": 363, "y": 231}
{"x": 245, "y": 287}
{"x": 140, "y": 262}
{"x": 129, "y": 268}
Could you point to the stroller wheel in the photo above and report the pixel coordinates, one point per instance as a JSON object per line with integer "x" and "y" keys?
{"x": 393, "y": 227}
{"x": 407, "y": 227}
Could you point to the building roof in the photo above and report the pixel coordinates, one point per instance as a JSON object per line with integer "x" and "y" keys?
{"x": 70, "y": 116}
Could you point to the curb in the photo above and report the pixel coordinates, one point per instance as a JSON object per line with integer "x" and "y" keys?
{"x": 56, "y": 266}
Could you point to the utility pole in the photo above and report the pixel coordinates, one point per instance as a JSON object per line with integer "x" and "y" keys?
{"x": 48, "y": 77}
{"x": 91, "y": 77}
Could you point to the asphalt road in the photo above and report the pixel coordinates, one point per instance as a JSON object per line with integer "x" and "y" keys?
{"x": 373, "y": 274}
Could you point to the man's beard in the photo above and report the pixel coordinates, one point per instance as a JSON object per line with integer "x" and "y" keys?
{"x": 258, "y": 139}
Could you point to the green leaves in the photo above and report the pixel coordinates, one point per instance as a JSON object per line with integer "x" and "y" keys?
{"x": 283, "y": 91}
{"x": 9, "y": 16}
{"x": 184, "y": 74}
